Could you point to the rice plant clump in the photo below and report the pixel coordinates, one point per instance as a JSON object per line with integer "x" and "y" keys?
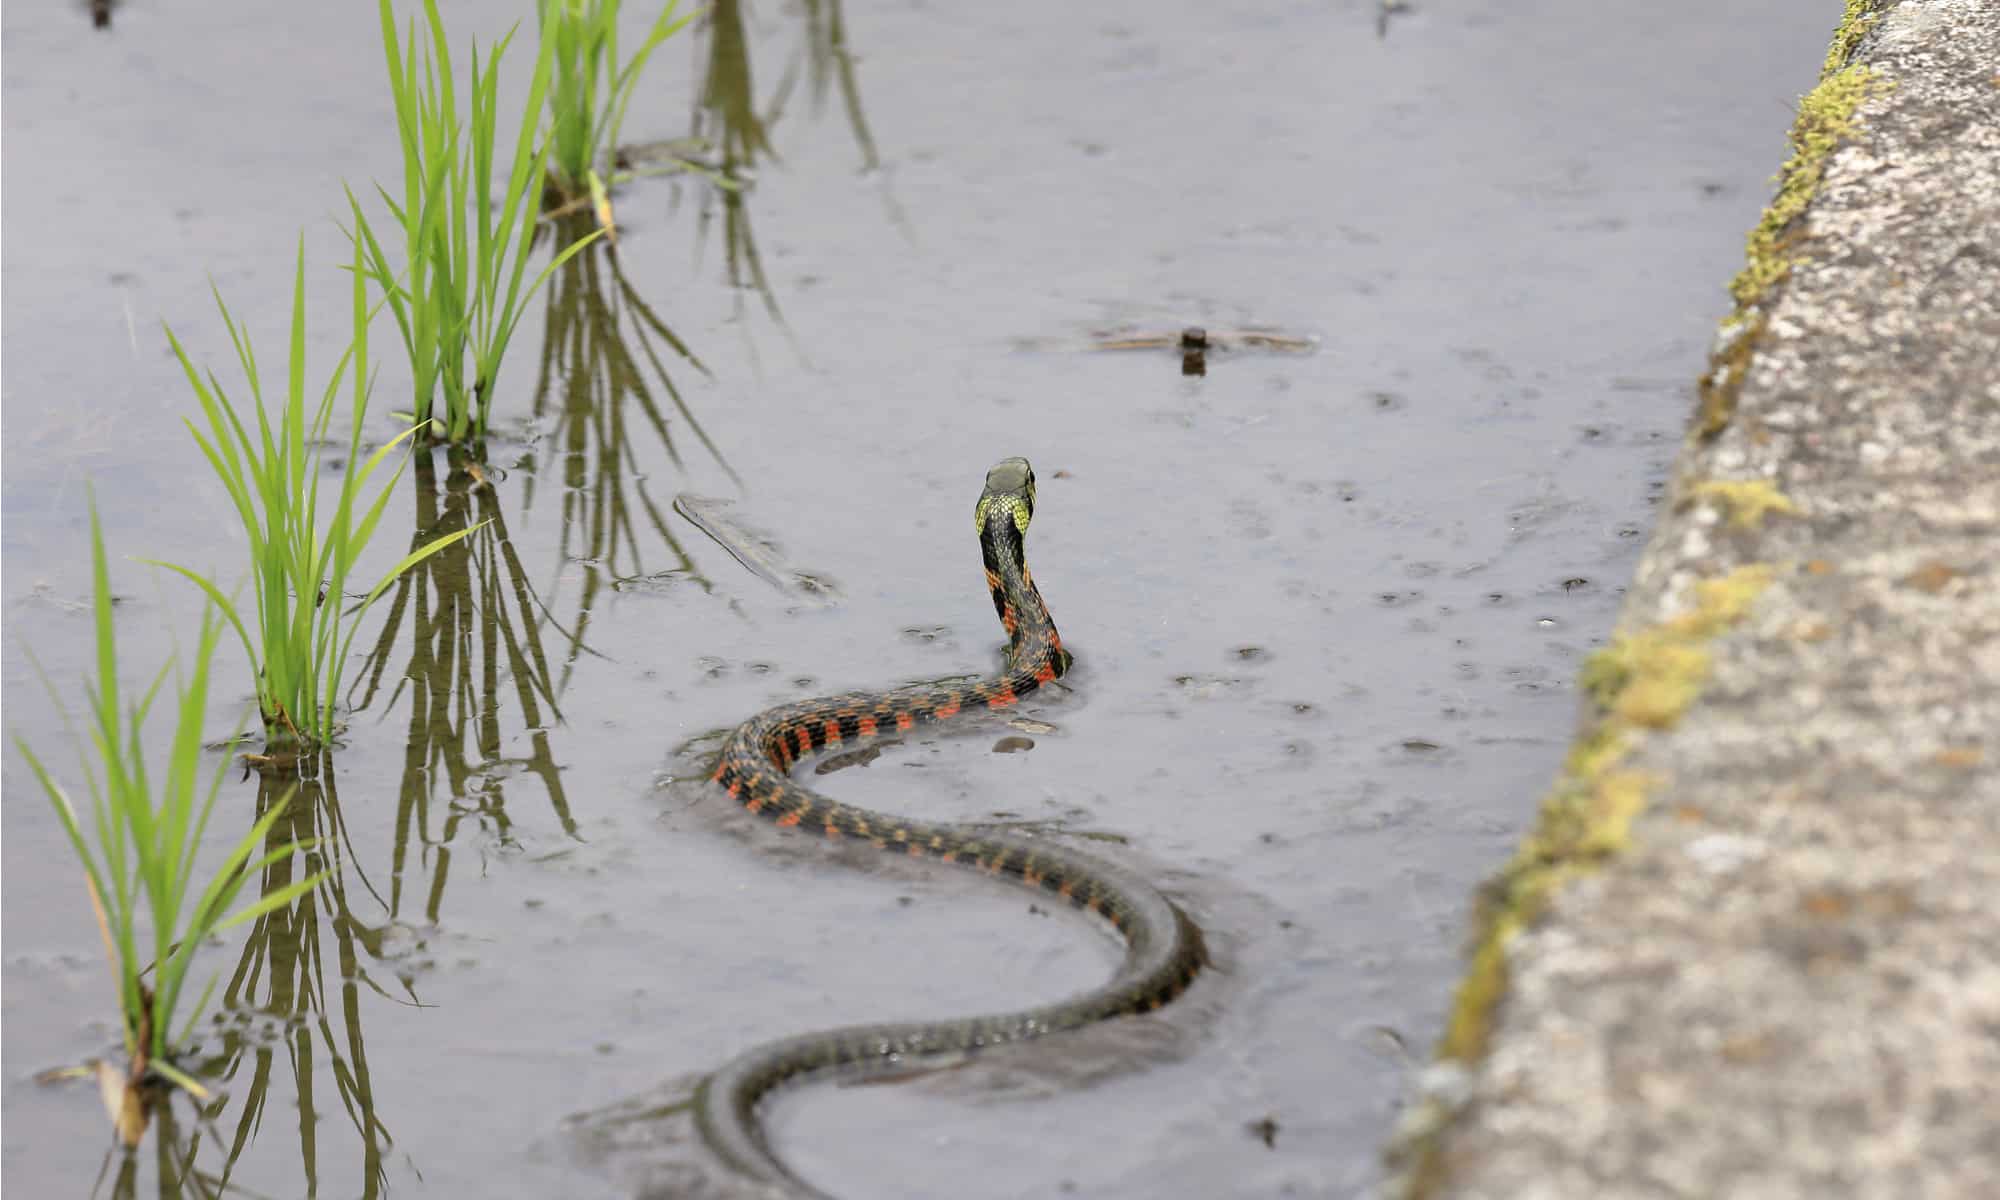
{"x": 273, "y": 472}
{"x": 591, "y": 88}
{"x": 138, "y": 842}
{"x": 459, "y": 290}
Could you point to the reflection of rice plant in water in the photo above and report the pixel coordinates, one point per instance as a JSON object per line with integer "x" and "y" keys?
{"x": 299, "y": 570}
{"x": 605, "y": 368}
{"x": 726, "y": 103}
{"x": 138, "y": 853}
{"x": 463, "y": 281}
{"x": 728, "y": 117}
{"x": 826, "y": 61}
{"x": 176, "y": 1174}
{"x": 475, "y": 639}
{"x": 590, "y": 88}
{"x": 295, "y": 999}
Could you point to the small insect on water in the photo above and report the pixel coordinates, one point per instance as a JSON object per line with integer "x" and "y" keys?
{"x": 1194, "y": 343}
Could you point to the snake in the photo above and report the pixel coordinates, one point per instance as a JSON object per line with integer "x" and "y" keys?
{"x": 1163, "y": 947}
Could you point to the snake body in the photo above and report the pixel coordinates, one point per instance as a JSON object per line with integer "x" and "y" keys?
{"x": 1163, "y": 948}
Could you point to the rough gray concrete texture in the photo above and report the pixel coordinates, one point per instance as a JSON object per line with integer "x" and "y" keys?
{"x": 1790, "y": 985}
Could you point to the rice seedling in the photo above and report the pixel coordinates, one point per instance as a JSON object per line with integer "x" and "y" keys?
{"x": 591, "y": 89}
{"x": 303, "y": 626}
{"x": 460, "y": 289}
{"x": 140, "y": 851}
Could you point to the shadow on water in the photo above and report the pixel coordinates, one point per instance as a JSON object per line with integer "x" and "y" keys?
{"x": 608, "y": 364}
{"x": 475, "y": 629}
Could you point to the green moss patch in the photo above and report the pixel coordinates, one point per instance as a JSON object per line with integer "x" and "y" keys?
{"x": 1644, "y": 680}
{"x": 1825, "y": 117}
{"x": 1745, "y": 502}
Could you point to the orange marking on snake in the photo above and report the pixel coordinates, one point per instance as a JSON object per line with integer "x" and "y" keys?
{"x": 1159, "y": 960}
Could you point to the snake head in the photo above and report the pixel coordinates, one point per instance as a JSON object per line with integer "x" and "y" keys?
{"x": 1010, "y": 488}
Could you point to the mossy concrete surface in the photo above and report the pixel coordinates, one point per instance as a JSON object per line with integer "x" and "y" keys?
{"x": 1752, "y": 948}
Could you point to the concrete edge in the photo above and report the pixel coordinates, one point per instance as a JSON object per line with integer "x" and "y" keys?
{"x": 1825, "y": 117}
{"x": 1648, "y": 676}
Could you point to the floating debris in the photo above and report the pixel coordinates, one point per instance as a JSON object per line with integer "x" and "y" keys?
{"x": 757, "y": 551}
{"x": 1264, "y": 1129}
{"x": 658, "y": 583}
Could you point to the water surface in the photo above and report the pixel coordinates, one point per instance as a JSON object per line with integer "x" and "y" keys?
{"x": 1327, "y": 608}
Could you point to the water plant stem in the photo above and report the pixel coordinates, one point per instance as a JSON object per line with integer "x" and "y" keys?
{"x": 302, "y": 624}
{"x": 460, "y": 289}
{"x": 591, "y": 89}
{"x": 140, "y": 849}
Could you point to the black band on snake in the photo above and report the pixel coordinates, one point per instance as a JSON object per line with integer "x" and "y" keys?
{"x": 1163, "y": 949}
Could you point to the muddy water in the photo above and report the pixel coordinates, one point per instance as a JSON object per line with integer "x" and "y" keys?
{"x": 1326, "y": 607}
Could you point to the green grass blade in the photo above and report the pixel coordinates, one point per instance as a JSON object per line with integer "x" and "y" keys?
{"x": 100, "y": 613}
{"x": 196, "y": 1009}
{"x": 278, "y": 899}
{"x": 215, "y": 594}
{"x": 67, "y": 815}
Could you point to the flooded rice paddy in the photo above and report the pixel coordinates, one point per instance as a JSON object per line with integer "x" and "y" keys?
{"x": 1326, "y": 605}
